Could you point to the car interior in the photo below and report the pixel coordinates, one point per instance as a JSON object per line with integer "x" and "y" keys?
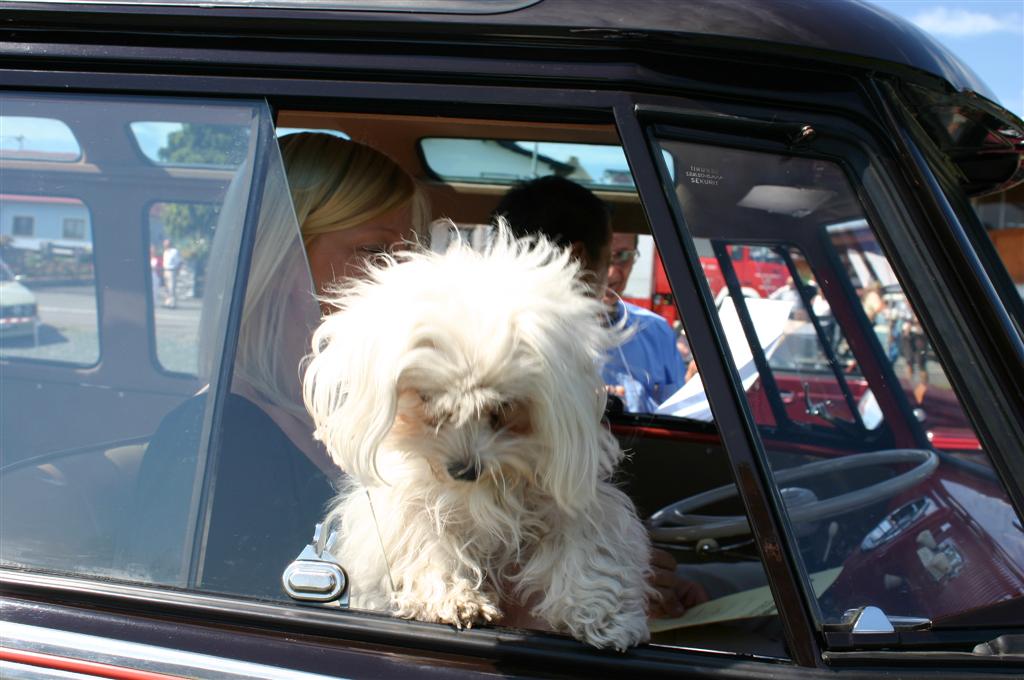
{"x": 68, "y": 472}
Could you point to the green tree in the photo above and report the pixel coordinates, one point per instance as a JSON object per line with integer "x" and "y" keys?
{"x": 190, "y": 225}
{"x": 224, "y": 145}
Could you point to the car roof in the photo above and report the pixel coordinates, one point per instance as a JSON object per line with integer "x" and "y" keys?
{"x": 846, "y": 31}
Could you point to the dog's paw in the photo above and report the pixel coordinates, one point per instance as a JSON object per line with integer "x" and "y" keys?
{"x": 618, "y": 633}
{"x": 461, "y": 606}
{"x": 464, "y": 612}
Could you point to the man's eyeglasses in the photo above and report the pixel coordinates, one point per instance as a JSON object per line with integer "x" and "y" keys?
{"x": 624, "y": 256}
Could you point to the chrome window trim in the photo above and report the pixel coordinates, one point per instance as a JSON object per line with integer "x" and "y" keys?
{"x": 135, "y": 655}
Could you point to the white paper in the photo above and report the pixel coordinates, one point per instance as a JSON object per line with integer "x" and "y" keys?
{"x": 745, "y": 604}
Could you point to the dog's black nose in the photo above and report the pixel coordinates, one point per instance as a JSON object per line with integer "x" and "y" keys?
{"x": 466, "y": 472}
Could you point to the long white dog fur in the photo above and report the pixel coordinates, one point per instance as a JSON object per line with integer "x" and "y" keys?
{"x": 461, "y": 394}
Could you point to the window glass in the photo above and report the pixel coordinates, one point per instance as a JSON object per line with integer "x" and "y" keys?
{"x": 899, "y": 333}
{"x": 31, "y": 137}
{"x": 75, "y": 439}
{"x": 73, "y": 228}
{"x": 891, "y": 500}
{"x": 174, "y": 143}
{"x": 180, "y": 235}
{"x": 805, "y": 352}
{"x": 23, "y": 225}
{"x": 128, "y": 443}
{"x": 502, "y": 161}
{"x": 647, "y": 369}
{"x": 49, "y": 304}
{"x": 653, "y": 364}
{"x": 1002, "y": 214}
{"x": 270, "y": 482}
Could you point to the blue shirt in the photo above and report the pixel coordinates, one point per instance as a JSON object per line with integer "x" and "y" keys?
{"x": 647, "y": 365}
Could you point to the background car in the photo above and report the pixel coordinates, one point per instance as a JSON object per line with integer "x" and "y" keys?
{"x": 19, "y": 313}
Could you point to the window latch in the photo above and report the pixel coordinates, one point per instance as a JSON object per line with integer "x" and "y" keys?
{"x": 871, "y": 620}
{"x": 315, "y": 575}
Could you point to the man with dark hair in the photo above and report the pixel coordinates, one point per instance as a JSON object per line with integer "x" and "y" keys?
{"x": 568, "y": 214}
{"x": 646, "y": 369}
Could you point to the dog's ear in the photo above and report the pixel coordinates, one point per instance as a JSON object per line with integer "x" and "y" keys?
{"x": 350, "y": 390}
{"x": 582, "y": 450}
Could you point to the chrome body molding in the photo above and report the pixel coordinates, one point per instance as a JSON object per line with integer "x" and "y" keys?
{"x": 151, "y": 658}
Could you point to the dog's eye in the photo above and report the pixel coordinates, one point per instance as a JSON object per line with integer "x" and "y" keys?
{"x": 424, "y": 397}
{"x": 498, "y": 417}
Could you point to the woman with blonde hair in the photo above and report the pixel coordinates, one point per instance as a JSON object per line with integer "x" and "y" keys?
{"x": 273, "y": 480}
{"x": 350, "y": 203}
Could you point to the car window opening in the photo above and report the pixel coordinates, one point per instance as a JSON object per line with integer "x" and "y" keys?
{"x": 879, "y": 471}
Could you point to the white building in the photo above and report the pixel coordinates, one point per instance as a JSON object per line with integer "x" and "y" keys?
{"x": 42, "y": 222}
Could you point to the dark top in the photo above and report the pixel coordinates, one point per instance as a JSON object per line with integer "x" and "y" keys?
{"x": 267, "y": 497}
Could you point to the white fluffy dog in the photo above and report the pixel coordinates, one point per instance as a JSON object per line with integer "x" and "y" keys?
{"x": 461, "y": 394}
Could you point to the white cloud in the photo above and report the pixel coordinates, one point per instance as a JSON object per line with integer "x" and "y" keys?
{"x": 959, "y": 23}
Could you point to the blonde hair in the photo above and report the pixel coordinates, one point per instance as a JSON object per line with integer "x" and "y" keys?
{"x": 339, "y": 184}
{"x": 333, "y": 184}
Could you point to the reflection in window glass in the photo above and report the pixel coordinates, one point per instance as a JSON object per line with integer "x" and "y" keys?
{"x": 75, "y": 440}
{"x": 814, "y": 374}
{"x": 247, "y": 541}
{"x": 73, "y": 228}
{"x": 892, "y": 502}
{"x": 191, "y": 144}
{"x": 180, "y": 235}
{"x": 898, "y": 330}
{"x": 48, "y": 302}
{"x": 1002, "y": 214}
{"x": 33, "y": 138}
{"x": 23, "y": 225}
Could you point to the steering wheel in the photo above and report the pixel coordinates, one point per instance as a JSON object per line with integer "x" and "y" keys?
{"x": 675, "y": 523}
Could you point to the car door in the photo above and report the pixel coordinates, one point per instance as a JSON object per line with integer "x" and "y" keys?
{"x": 785, "y": 186}
{"x": 89, "y": 519}
{"x": 175, "y": 608}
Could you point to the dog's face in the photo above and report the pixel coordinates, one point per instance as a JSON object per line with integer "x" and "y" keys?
{"x": 477, "y": 372}
{"x": 468, "y": 412}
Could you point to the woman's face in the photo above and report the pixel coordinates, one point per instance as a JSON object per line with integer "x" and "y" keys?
{"x": 339, "y": 255}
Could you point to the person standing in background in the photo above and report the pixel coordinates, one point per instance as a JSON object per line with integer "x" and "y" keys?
{"x": 172, "y": 264}
{"x": 156, "y": 273}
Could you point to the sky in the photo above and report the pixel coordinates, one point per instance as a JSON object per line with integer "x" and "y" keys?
{"x": 987, "y": 35}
